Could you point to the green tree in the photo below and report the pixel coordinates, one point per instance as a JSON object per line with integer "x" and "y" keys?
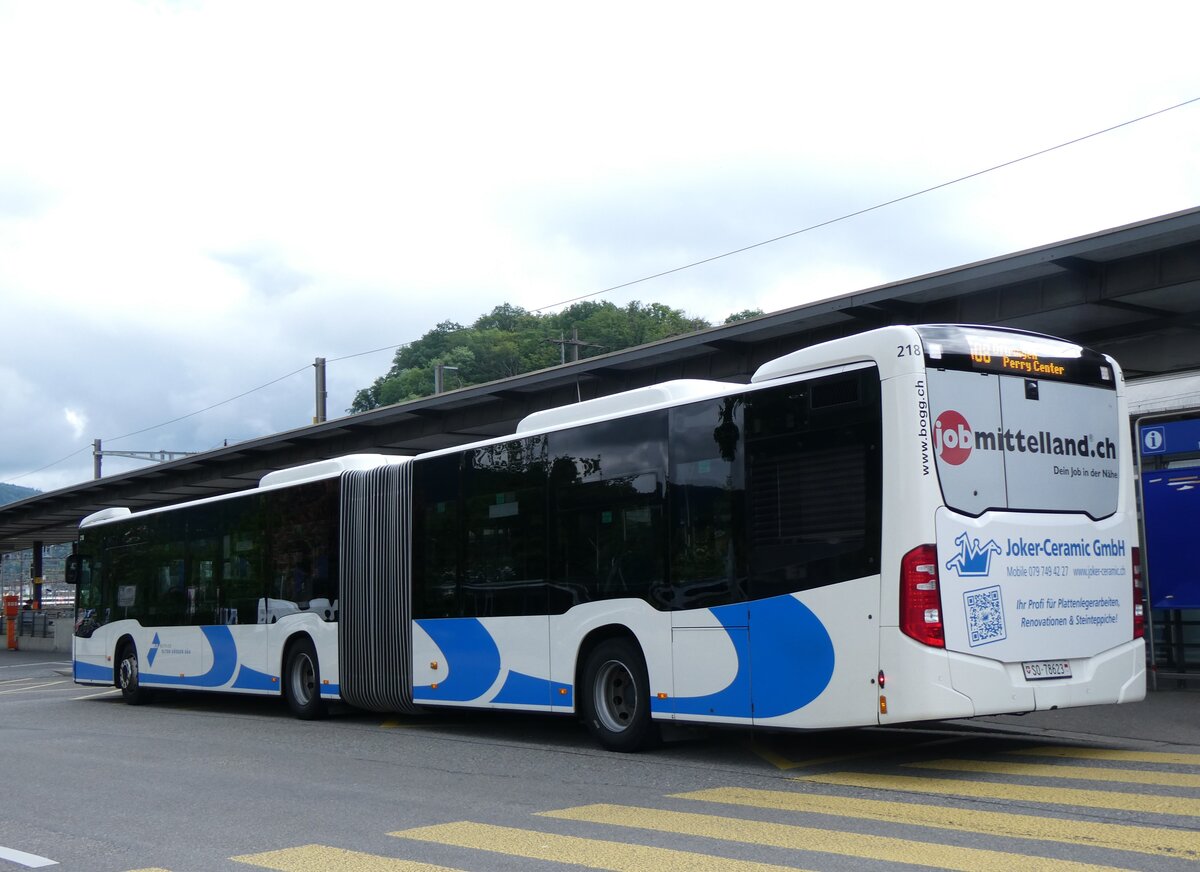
{"x": 509, "y": 341}
{"x": 743, "y": 315}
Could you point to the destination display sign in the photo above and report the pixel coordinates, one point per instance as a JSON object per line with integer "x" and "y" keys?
{"x": 1036, "y": 357}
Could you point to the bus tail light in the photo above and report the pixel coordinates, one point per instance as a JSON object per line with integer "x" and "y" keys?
{"x": 1139, "y": 598}
{"x": 920, "y": 598}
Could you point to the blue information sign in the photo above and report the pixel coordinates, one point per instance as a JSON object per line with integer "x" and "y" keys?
{"x": 1172, "y": 437}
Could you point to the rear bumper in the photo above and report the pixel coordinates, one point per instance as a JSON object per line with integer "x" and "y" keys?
{"x": 1114, "y": 676}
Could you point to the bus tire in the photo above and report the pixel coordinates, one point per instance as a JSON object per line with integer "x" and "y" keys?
{"x": 129, "y": 676}
{"x": 302, "y": 681}
{"x": 616, "y": 696}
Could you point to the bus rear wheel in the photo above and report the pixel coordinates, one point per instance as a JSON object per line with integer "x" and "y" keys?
{"x": 616, "y": 696}
{"x": 129, "y": 677}
{"x": 302, "y": 681}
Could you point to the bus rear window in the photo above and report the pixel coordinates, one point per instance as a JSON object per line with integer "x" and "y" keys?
{"x": 1024, "y": 444}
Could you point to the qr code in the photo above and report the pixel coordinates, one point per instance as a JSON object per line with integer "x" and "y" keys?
{"x": 985, "y": 616}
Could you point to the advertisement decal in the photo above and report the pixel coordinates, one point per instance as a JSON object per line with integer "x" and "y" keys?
{"x": 1002, "y": 442}
{"x": 1015, "y": 591}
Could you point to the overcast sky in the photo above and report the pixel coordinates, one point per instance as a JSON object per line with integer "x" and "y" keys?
{"x": 199, "y": 198}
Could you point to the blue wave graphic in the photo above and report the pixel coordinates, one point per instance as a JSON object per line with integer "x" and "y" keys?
{"x": 471, "y": 656}
{"x": 224, "y": 652}
{"x": 784, "y": 662}
{"x": 252, "y": 679}
{"x": 522, "y": 689}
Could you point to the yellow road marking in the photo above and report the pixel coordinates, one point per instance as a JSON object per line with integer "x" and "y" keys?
{"x": 780, "y": 762}
{"x": 1119, "y": 837}
{"x": 150, "y": 869}
{"x": 319, "y": 858}
{"x": 797, "y": 838}
{"x": 589, "y": 853}
{"x": 1019, "y": 792}
{"x": 785, "y": 764}
{"x": 1112, "y": 754}
{"x": 776, "y": 760}
{"x": 1086, "y": 773}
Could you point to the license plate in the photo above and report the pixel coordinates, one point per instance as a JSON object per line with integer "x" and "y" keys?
{"x": 1042, "y": 669}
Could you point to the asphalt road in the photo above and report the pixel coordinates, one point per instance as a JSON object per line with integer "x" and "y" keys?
{"x": 197, "y": 782}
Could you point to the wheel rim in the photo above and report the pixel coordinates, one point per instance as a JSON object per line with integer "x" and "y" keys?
{"x": 129, "y": 673}
{"x": 304, "y": 679}
{"x": 615, "y": 694}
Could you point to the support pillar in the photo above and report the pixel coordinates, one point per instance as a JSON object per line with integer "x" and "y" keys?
{"x": 35, "y": 572}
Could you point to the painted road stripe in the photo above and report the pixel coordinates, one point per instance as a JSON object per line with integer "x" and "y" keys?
{"x": 33, "y": 687}
{"x": 109, "y": 692}
{"x": 1016, "y": 792}
{"x": 1112, "y": 754}
{"x": 616, "y": 856}
{"x": 779, "y": 761}
{"x": 30, "y": 861}
{"x": 319, "y": 858}
{"x": 797, "y": 838}
{"x": 1180, "y": 843}
{"x": 1052, "y": 770}
{"x": 39, "y": 663}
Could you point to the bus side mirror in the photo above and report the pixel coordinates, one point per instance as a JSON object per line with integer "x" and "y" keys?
{"x": 71, "y": 570}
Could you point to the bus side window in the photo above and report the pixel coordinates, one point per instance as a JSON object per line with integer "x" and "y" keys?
{"x": 505, "y": 502}
{"x": 813, "y": 478}
{"x": 608, "y": 536}
{"x": 302, "y": 552}
{"x": 437, "y": 537}
{"x": 708, "y": 559}
{"x": 241, "y": 555}
{"x": 204, "y": 556}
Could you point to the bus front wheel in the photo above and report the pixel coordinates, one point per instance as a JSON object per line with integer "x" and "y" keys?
{"x": 129, "y": 677}
{"x": 302, "y": 681}
{"x": 615, "y": 697}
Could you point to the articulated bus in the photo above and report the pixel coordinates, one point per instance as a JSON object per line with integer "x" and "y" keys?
{"x": 909, "y": 524}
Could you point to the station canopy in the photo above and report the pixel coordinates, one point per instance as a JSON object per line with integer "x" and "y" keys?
{"x": 1132, "y": 292}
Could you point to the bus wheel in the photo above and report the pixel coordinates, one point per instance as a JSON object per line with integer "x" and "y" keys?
{"x": 616, "y": 698}
{"x": 128, "y": 676}
{"x": 302, "y": 681}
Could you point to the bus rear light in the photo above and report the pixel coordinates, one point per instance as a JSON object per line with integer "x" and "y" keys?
{"x": 882, "y": 704}
{"x": 1139, "y": 597}
{"x": 920, "y": 599}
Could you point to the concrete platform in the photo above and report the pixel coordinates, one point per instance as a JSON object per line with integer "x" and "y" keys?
{"x": 1164, "y": 718}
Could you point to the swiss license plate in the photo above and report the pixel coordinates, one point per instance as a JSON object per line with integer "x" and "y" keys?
{"x": 1041, "y": 669}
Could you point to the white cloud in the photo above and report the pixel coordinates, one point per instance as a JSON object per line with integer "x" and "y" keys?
{"x": 200, "y": 198}
{"x": 76, "y": 421}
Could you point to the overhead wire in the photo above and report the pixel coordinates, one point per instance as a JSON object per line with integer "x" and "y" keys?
{"x": 808, "y": 229}
{"x": 868, "y": 209}
{"x": 163, "y": 424}
{"x": 209, "y": 408}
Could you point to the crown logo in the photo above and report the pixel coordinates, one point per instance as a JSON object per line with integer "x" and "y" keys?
{"x": 972, "y": 560}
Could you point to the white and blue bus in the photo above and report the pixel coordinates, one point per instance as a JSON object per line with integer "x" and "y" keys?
{"x": 912, "y": 523}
